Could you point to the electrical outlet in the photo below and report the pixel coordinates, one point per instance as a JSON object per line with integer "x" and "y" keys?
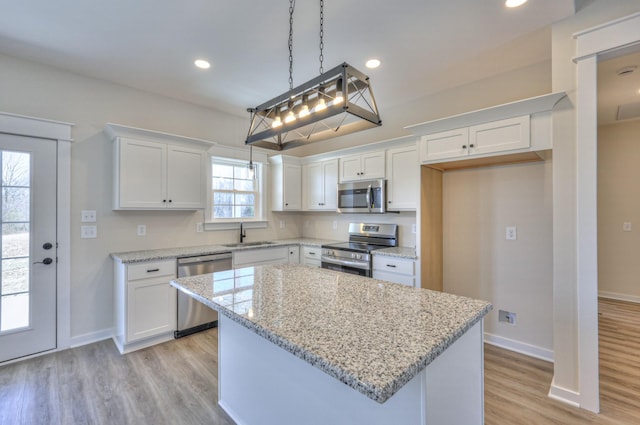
{"x": 88, "y": 232}
{"x": 88, "y": 216}
{"x": 511, "y": 233}
{"x": 199, "y": 227}
{"x": 142, "y": 229}
{"x": 282, "y": 224}
{"x": 626, "y": 226}
{"x": 335, "y": 224}
{"x": 507, "y": 317}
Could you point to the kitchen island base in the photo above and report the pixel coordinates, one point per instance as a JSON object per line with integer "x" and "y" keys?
{"x": 261, "y": 383}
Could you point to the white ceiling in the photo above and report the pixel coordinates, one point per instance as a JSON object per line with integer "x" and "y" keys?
{"x": 425, "y": 46}
{"x": 615, "y": 90}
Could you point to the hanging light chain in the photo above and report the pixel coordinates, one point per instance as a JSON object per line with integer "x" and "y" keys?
{"x": 292, "y": 5}
{"x": 321, "y": 36}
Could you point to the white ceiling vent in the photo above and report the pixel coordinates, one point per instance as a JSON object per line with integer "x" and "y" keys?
{"x": 628, "y": 111}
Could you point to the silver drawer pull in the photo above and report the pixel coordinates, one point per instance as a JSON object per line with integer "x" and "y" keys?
{"x": 391, "y": 265}
{"x": 312, "y": 253}
{"x": 153, "y": 270}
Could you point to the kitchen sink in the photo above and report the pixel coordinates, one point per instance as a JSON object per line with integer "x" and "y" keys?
{"x": 241, "y": 244}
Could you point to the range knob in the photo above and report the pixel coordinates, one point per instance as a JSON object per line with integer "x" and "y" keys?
{"x": 358, "y": 257}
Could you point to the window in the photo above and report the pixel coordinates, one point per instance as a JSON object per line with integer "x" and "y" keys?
{"x": 235, "y": 195}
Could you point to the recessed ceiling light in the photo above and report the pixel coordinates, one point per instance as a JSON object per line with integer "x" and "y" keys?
{"x": 372, "y": 63}
{"x": 514, "y": 3}
{"x": 202, "y": 64}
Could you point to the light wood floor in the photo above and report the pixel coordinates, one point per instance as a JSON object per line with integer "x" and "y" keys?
{"x": 175, "y": 383}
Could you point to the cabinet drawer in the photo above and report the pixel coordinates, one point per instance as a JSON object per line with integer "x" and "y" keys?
{"x": 394, "y": 277}
{"x": 393, "y": 265}
{"x": 311, "y": 253}
{"x": 151, "y": 269}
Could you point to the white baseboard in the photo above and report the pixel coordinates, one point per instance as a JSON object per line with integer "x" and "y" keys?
{"x": 619, "y": 297}
{"x": 90, "y": 338}
{"x": 564, "y": 395}
{"x": 519, "y": 347}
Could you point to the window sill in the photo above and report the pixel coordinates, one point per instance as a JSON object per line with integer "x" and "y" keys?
{"x": 235, "y": 225}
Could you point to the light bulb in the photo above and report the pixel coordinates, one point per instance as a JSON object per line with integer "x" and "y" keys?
{"x": 338, "y": 99}
{"x": 304, "y": 111}
{"x": 291, "y": 117}
{"x": 514, "y": 3}
{"x": 320, "y": 105}
{"x": 277, "y": 122}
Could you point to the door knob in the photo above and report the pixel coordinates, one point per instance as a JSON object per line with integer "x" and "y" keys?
{"x": 46, "y": 261}
{"x": 47, "y": 245}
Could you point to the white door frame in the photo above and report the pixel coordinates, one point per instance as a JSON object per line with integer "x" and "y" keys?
{"x": 61, "y": 132}
{"x": 592, "y": 44}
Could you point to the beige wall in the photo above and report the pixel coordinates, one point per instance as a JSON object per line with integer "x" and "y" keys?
{"x": 479, "y": 262}
{"x": 619, "y": 202}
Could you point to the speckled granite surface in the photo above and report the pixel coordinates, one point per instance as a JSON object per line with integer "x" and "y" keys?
{"x": 371, "y": 335}
{"x": 164, "y": 254}
{"x": 398, "y": 251}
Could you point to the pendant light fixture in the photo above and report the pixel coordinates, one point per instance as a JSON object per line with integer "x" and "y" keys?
{"x": 337, "y": 102}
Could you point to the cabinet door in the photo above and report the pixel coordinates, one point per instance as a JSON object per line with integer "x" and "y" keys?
{"x": 311, "y": 256}
{"x": 185, "y": 178}
{"x": 151, "y": 308}
{"x": 142, "y": 174}
{"x": 292, "y": 187}
{"x": 315, "y": 186}
{"x": 403, "y": 179}
{"x": 500, "y": 136}
{"x": 294, "y": 254}
{"x": 373, "y": 165}
{"x": 444, "y": 145}
{"x": 261, "y": 256}
{"x": 350, "y": 168}
{"x": 330, "y": 184}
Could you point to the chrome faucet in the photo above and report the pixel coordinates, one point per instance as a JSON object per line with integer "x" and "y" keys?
{"x": 243, "y": 233}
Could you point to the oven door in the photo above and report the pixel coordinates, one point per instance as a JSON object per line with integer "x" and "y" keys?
{"x": 352, "y": 267}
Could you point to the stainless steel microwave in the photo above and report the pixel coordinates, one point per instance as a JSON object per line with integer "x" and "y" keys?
{"x": 362, "y": 197}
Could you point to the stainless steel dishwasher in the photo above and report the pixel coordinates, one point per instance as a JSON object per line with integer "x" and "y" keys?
{"x": 193, "y": 316}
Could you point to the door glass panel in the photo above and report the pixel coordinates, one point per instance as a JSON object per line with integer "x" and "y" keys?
{"x": 15, "y": 206}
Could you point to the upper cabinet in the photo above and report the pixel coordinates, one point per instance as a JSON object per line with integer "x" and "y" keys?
{"x": 513, "y": 132}
{"x": 286, "y": 183}
{"x": 365, "y": 166}
{"x": 151, "y": 175}
{"x": 320, "y": 185}
{"x": 403, "y": 179}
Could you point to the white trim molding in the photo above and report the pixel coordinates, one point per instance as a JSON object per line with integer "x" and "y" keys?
{"x": 519, "y": 347}
{"x": 564, "y": 395}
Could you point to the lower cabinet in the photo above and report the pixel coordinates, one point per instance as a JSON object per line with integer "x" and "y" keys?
{"x": 394, "y": 269}
{"x": 294, "y": 254}
{"x": 260, "y": 256}
{"x": 145, "y": 304}
{"x": 311, "y": 256}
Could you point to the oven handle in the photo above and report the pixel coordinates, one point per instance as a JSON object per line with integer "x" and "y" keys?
{"x": 357, "y": 264}
{"x": 369, "y": 197}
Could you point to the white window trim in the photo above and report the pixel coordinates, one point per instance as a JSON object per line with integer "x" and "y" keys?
{"x": 237, "y": 154}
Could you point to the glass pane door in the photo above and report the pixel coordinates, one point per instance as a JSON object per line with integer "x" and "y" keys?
{"x": 15, "y": 204}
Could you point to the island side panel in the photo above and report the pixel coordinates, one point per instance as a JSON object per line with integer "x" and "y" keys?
{"x": 455, "y": 382}
{"x": 261, "y": 383}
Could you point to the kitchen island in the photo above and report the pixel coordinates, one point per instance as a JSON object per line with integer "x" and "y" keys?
{"x": 300, "y": 345}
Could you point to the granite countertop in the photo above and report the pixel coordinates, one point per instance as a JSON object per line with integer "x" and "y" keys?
{"x": 169, "y": 253}
{"x": 372, "y": 335}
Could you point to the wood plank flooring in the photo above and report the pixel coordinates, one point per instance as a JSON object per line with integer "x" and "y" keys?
{"x": 176, "y": 383}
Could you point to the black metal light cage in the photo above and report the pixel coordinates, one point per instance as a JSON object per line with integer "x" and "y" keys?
{"x": 357, "y": 111}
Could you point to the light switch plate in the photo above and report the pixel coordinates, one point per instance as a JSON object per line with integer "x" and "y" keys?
{"x": 88, "y": 216}
{"x": 88, "y": 232}
{"x": 142, "y": 229}
{"x": 199, "y": 227}
{"x": 511, "y": 233}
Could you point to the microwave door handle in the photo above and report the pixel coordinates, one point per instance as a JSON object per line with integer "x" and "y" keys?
{"x": 369, "y": 197}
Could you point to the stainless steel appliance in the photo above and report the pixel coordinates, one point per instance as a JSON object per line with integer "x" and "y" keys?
{"x": 193, "y": 316}
{"x": 362, "y": 197}
{"x": 355, "y": 256}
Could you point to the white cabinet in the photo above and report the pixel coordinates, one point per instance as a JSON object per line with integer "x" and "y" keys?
{"x": 260, "y": 256}
{"x": 403, "y": 179}
{"x": 320, "y": 183}
{"x": 294, "y": 254}
{"x": 365, "y": 166}
{"x": 311, "y": 256}
{"x": 394, "y": 269}
{"x": 286, "y": 183}
{"x": 145, "y": 304}
{"x": 503, "y": 136}
{"x": 151, "y": 175}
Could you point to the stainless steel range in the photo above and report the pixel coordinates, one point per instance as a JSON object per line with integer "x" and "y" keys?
{"x": 355, "y": 256}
